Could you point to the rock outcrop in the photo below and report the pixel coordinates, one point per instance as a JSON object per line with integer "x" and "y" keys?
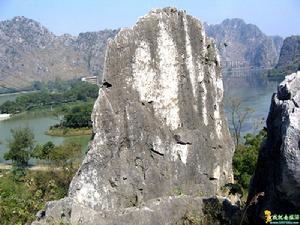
{"x": 159, "y": 127}
{"x": 277, "y": 175}
{"x": 29, "y": 52}
{"x": 244, "y": 45}
{"x": 290, "y": 52}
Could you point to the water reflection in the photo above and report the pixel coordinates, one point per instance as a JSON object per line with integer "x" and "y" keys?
{"x": 254, "y": 90}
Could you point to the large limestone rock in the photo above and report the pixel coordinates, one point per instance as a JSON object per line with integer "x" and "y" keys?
{"x": 159, "y": 126}
{"x": 277, "y": 175}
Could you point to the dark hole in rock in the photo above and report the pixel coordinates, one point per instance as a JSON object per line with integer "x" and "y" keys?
{"x": 106, "y": 84}
{"x": 41, "y": 214}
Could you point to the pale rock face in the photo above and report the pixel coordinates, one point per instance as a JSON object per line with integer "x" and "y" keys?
{"x": 166, "y": 91}
{"x": 278, "y": 167}
{"x": 153, "y": 124}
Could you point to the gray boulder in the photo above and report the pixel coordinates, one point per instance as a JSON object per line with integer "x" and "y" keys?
{"x": 159, "y": 126}
{"x": 277, "y": 174}
{"x": 170, "y": 210}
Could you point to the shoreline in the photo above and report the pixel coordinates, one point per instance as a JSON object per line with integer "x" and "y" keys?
{"x": 38, "y": 167}
{"x": 16, "y": 93}
{"x": 69, "y": 132}
{"x": 5, "y": 116}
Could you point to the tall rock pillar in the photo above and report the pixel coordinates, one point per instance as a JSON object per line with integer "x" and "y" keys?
{"x": 158, "y": 121}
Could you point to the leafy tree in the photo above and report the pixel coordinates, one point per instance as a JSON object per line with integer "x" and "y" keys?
{"x": 42, "y": 152}
{"x": 238, "y": 117}
{"x": 66, "y": 158}
{"x": 20, "y": 201}
{"x": 20, "y": 147}
{"x": 245, "y": 158}
{"x": 10, "y": 107}
{"x": 66, "y": 154}
{"x": 78, "y": 116}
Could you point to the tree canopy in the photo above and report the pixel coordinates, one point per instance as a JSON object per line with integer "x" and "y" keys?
{"x": 20, "y": 146}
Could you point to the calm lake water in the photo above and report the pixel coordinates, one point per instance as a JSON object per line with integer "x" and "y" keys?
{"x": 253, "y": 90}
{"x": 39, "y": 125}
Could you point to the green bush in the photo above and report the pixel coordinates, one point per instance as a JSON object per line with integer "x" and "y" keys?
{"x": 245, "y": 158}
{"x": 42, "y": 151}
{"x": 281, "y": 72}
{"x": 20, "y": 147}
{"x": 21, "y": 199}
{"x": 78, "y": 116}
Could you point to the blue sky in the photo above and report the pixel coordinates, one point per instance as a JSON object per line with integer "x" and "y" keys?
{"x": 274, "y": 17}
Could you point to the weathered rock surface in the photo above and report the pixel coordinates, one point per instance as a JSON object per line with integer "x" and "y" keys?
{"x": 171, "y": 210}
{"x": 278, "y": 168}
{"x": 289, "y": 60}
{"x": 159, "y": 127}
{"x": 30, "y": 52}
{"x": 244, "y": 45}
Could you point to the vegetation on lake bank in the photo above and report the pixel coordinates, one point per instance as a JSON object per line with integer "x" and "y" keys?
{"x": 24, "y": 191}
{"x": 20, "y": 200}
{"x": 245, "y": 159}
{"x": 75, "y": 122}
{"x": 53, "y": 97}
{"x": 67, "y": 132}
{"x": 73, "y": 108}
{"x": 280, "y": 72}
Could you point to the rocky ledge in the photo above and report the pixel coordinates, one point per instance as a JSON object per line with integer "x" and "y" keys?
{"x": 277, "y": 175}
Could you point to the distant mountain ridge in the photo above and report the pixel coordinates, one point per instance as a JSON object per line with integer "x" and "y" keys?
{"x": 244, "y": 45}
{"x": 289, "y": 59}
{"x": 30, "y": 52}
{"x": 290, "y": 52}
